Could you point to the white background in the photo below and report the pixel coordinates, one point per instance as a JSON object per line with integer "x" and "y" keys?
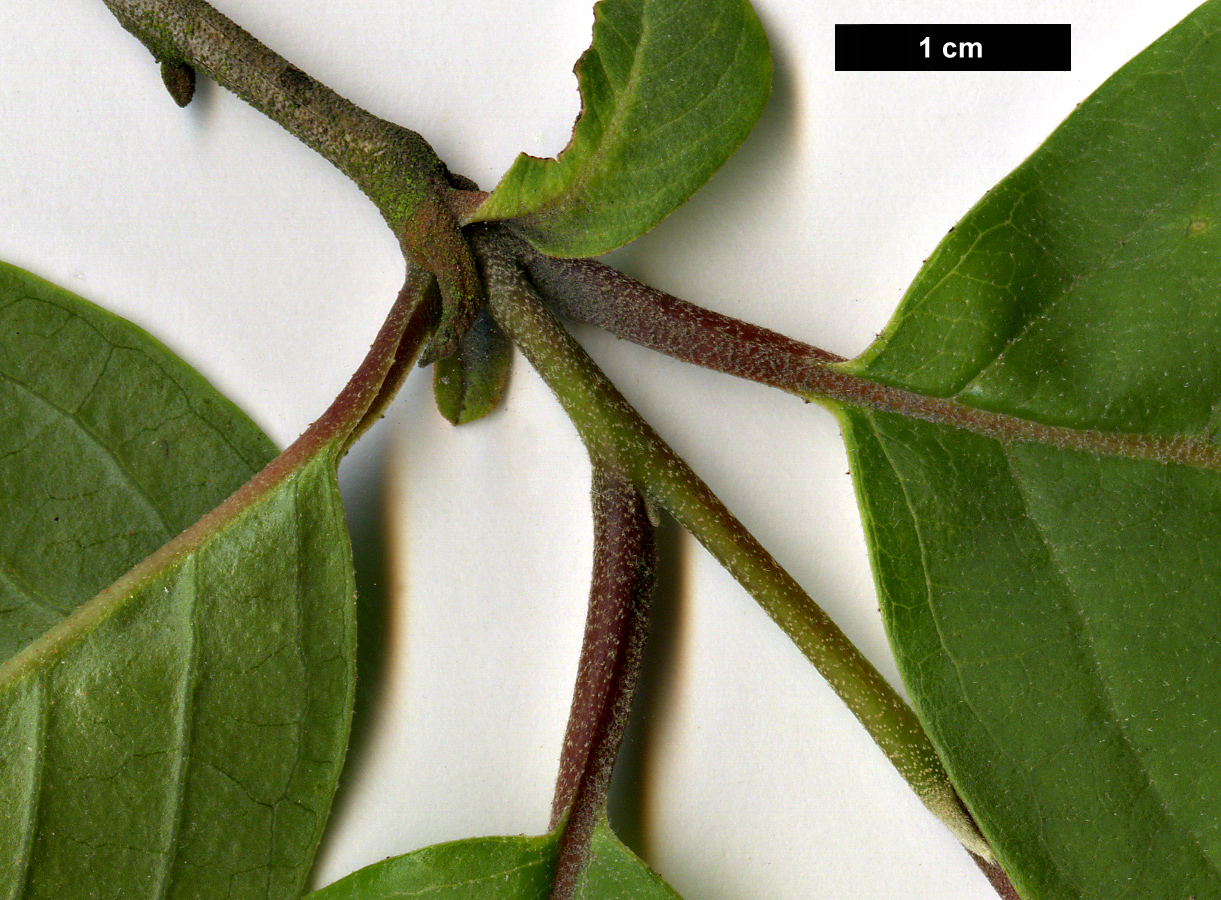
{"x": 259, "y": 264}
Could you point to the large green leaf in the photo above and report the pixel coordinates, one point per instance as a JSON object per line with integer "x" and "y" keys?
{"x": 1042, "y": 507}
{"x": 181, "y": 733}
{"x": 503, "y": 868}
{"x": 87, "y": 486}
{"x": 669, "y": 88}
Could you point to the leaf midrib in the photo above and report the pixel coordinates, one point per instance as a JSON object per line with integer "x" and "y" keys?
{"x": 298, "y": 644}
{"x": 586, "y": 174}
{"x": 822, "y": 382}
{"x": 34, "y": 597}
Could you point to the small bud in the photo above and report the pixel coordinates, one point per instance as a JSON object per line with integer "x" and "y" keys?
{"x": 468, "y": 383}
{"x": 179, "y": 80}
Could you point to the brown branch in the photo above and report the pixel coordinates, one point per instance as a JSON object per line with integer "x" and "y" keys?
{"x": 615, "y": 630}
{"x": 585, "y": 290}
{"x": 381, "y": 157}
{"x": 394, "y": 166}
{"x": 588, "y": 291}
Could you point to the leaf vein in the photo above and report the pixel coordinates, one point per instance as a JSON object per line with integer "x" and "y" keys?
{"x": 19, "y": 585}
{"x": 103, "y": 452}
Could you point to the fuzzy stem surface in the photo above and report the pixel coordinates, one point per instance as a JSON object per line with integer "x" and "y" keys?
{"x": 611, "y": 429}
{"x": 616, "y": 626}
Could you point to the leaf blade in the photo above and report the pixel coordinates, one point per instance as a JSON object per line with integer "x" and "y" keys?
{"x": 615, "y": 873}
{"x": 509, "y": 867}
{"x": 506, "y": 868}
{"x": 669, "y": 92}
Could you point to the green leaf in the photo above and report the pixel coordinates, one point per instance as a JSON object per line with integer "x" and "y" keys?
{"x": 469, "y": 382}
{"x": 87, "y": 488}
{"x": 669, "y": 89}
{"x": 501, "y": 867}
{"x": 181, "y": 733}
{"x": 615, "y": 873}
{"x": 1042, "y": 507}
{"x": 504, "y": 868}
